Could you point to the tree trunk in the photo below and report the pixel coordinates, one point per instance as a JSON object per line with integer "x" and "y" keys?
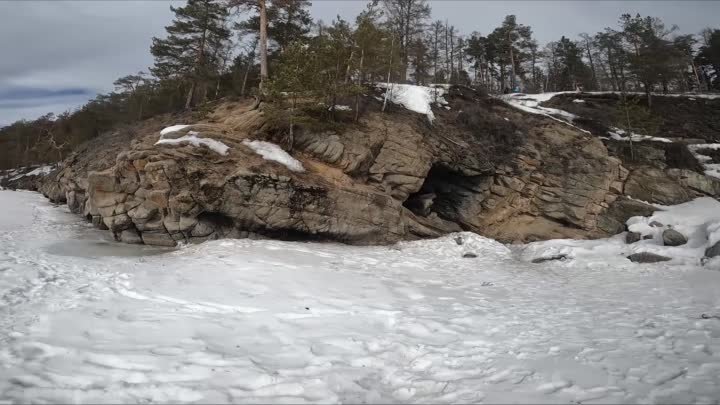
{"x": 534, "y": 74}
{"x": 512, "y": 64}
{"x": 359, "y": 83}
{"x": 251, "y": 59}
{"x": 592, "y": 65}
{"x": 453, "y": 76}
{"x": 623, "y": 86}
{"x": 436, "y": 54}
{"x": 140, "y": 113}
{"x": 263, "y": 45}
{"x": 447, "y": 52}
{"x": 389, "y": 86}
{"x": 349, "y": 64}
{"x": 199, "y": 64}
{"x": 697, "y": 76}
{"x": 189, "y": 99}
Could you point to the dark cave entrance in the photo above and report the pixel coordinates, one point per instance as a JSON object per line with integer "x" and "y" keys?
{"x": 223, "y": 226}
{"x": 444, "y": 192}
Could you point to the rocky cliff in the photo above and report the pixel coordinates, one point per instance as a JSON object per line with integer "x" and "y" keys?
{"x": 481, "y": 165}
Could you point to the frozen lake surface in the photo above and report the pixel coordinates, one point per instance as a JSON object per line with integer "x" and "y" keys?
{"x": 83, "y": 319}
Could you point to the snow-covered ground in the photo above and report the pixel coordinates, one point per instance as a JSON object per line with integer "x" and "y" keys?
{"x": 621, "y": 135}
{"x": 20, "y": 172}
{"x": 416, "y": 98}
{"x": 711, "y": 169}
{"x": 87, "y": 320}
{"x": 531, "y": 103}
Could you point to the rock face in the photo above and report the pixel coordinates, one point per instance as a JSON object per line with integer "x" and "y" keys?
{"x": 647, "y": 257}
{"x": 713, "y": 251}
{"x": 481, "y": 166}
{"x": 632, "y": 237}
{"x": 672, "y": 237}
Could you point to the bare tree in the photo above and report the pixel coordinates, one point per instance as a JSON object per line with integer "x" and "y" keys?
{"x": 54, "y": 145}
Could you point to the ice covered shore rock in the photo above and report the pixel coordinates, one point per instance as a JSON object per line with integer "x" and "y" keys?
{"x": 648, "y": 257}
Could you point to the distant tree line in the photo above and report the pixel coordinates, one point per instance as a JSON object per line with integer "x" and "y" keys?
{"x": 274, "y": 49}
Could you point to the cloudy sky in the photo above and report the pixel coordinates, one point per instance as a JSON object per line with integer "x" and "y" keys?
{"x": 58, "y": 54}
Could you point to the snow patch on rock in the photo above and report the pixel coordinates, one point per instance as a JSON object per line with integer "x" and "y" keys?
{"x": 272, "y": 152}
{"x": 39, "y": 171}
{"x": 192, "y": 138}
{"x": 415, "y": 98}
{"x": 171, "y": 129}
{"x": 711, "y": 169}
{"x": 621, "y": 135}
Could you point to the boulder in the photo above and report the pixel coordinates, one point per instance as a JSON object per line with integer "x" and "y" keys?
{"x": 647, "y": 257}
{"x": 672, "y": 237}
{"x": 130, "y": 236}
{"x": 469, "y": 255}
{"x": 713, "y": 251}
{"x": 549, "y": 258}
{"x": 632, "y": 237}
{"x": 654, "y": 185}
{"x": 656, "y": 224}
{"x": 613, "y": 220}
{"x": 158, "y": 239}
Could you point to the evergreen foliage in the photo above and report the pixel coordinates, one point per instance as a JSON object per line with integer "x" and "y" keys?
{"x": 312, "y": 67}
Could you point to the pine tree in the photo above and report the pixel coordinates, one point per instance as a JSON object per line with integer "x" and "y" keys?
{"x": 653, "y": 58}
{"x": 436, "y": 32}
{"x": 262, "y": 27}
{"x": 135, "y": 89}
{"x": 611, "y": 43}
{"x": 514, "y": 37}
{"x": 406, "y": 19}
{"x": 287, "y": 22}
{"x": 708, "y": 58}
{"x": 190, "y": 51}
{"x": 572, "y": 72}
{"x": 420, "y": 62}
{"x": 588, "y": 44}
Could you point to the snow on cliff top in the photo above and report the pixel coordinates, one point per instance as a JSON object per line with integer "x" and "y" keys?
{"x": 193, "y": 139}
{"x": 272, "y": 152}
{"x": 415, "y": 98}
{"x": 172, "y": 128}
